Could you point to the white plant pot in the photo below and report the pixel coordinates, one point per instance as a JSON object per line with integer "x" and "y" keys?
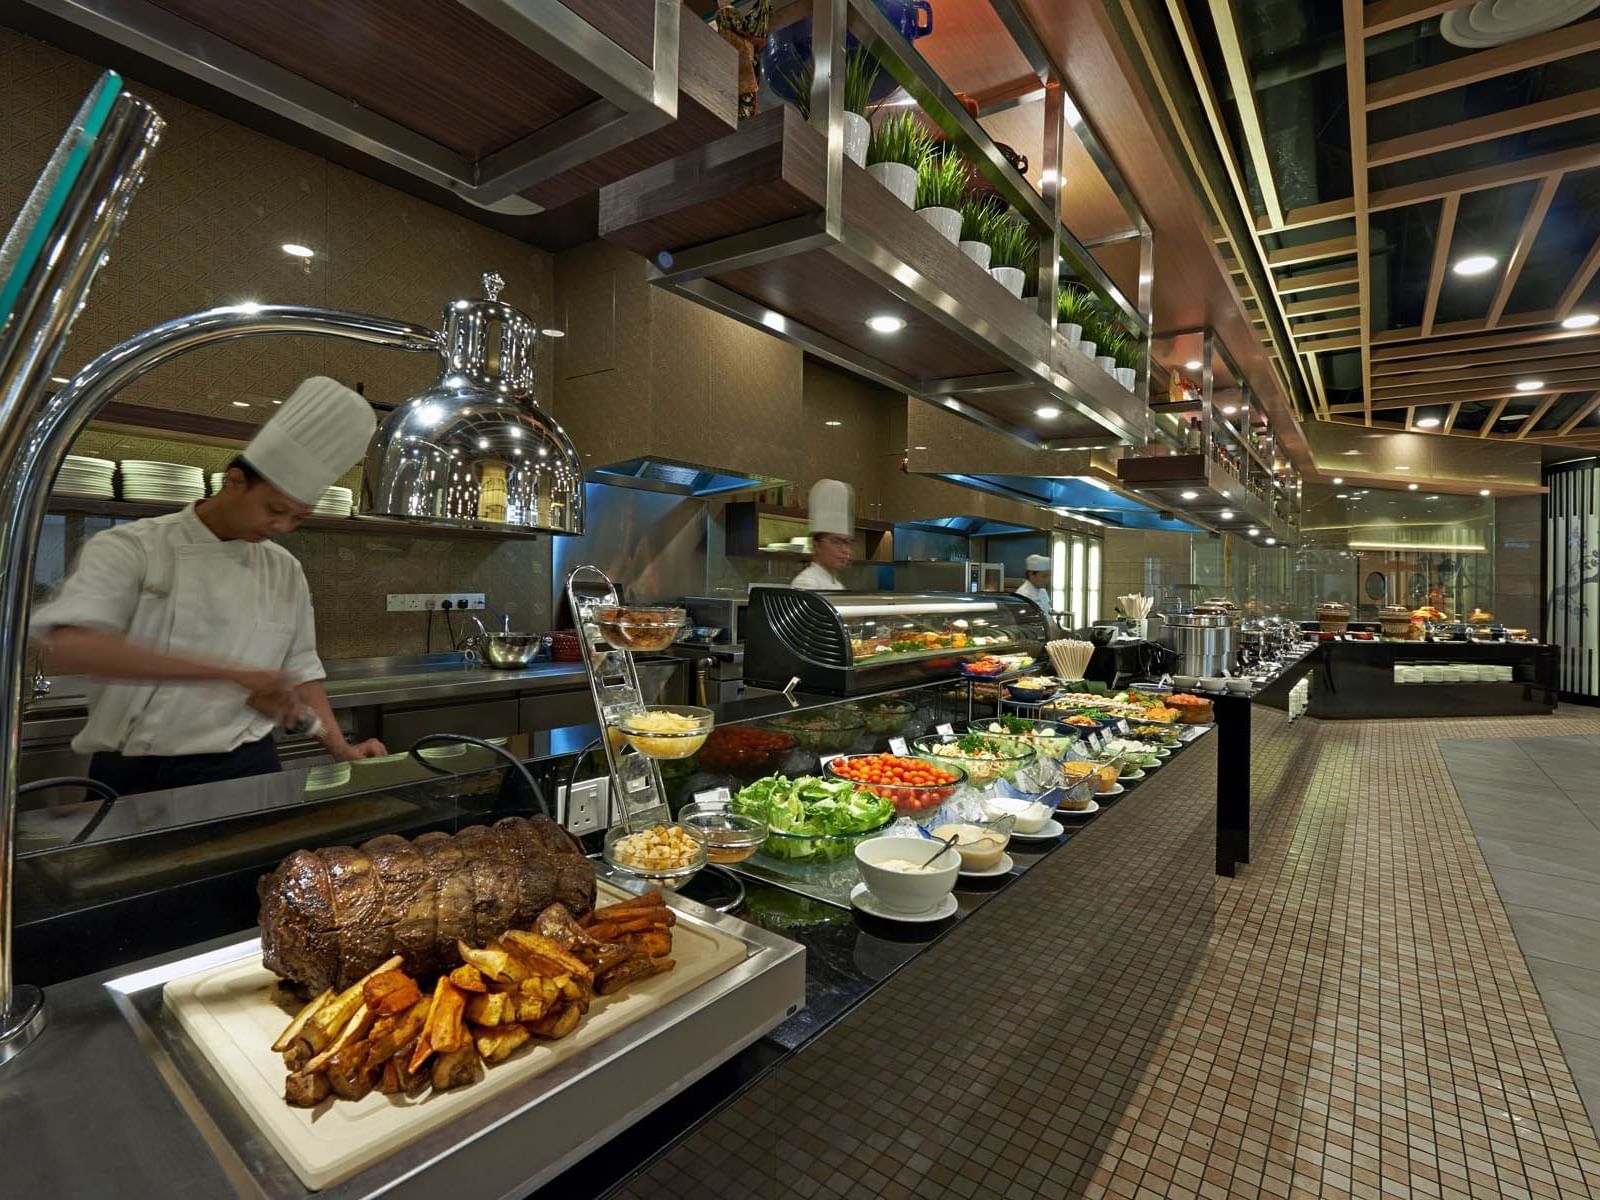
{"x": 1087, "y": 349}
{"x": 946, "y": 220}
{"x": 898, "y": 178}
{"x": 1073, "y": 333}
{"x": 1010, "y": 278}
{"x": 1106, "y": 363}
{"x": 1126, "y": 377}
{"x": 857, "y": 133}
{"x": 978, "y": 252}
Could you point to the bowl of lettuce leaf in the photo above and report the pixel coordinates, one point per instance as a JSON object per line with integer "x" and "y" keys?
{"x": 810, "y": 819}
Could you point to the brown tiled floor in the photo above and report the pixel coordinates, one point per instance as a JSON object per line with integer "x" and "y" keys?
{"x": 1349, "y": 1017}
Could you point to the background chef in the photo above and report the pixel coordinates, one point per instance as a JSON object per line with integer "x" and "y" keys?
{"x": 831, "y": 506}
{"x": 1036, "y": 584}
{"x": 194, "y": 628}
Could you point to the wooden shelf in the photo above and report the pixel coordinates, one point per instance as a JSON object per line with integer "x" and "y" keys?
{"x": 742, "y": 523}
{"x": 739, "y": 226}
{"x": 1163, "y": 480}
{"x": 131, "y": 510}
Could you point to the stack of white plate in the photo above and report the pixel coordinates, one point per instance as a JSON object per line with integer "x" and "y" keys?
{"x": 171, "y": 482}
{"x": 84, "y": 476}
{"x": 217, "y": 478}
{"x": 335, "y": 502}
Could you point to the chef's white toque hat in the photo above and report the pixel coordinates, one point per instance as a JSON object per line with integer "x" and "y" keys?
{"x": 831, "y": 506}
{"x": 318, "y": 434}
{"x": 1036, "y": 562}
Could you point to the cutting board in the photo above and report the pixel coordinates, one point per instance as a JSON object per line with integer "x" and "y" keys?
{"x": 229, "y": 1014}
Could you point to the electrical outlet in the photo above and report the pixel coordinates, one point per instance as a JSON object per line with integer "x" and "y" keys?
{"x": 435, "y": 601}
{"x": 586, "y": 809}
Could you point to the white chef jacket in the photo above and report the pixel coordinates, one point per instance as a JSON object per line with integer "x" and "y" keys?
{"x": 1040, "y": 597}
{"x": 171, "y": 584}
{"x": 817, "y": 579}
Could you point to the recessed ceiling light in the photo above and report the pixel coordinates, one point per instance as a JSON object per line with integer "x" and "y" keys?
{"x": 296, "y": 250}
{"x": 1337, "y": 480}
{"x": 1581, "y": 321}
{"x": 483, "y": 443}
{"x": 1272, "y": 541}
{"x": 1046, "y": 178}
{"x": 833, "y": 422}
{"x": 1194, "y": 364}
{"x": 1226, "y": 514}
{"x": 886, "y": 324}
{"x": 1190, "y": 495}
{"x": 1483, "y": 491}
{"x": 554, "y": 332}
{"x": 1254, "y": 532}
{"x": 1402, "y": 468}
{"x": 1047, "y": 412}
{"x": 1411, "y": 487}
{"x": 1529, "y": 385}
{"x": 241, "y": 404}
{"x": 1430, "y": 497}
{"x": 1342, "y": 496}
{"x": 1229, "y": 409}
{"x": 1475, "y": 264}
{"x": 1428, "y": 422}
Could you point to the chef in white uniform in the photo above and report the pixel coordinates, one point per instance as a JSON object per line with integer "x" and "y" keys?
{"x": 195, "y": 629}
{"x": 831, "y": 507}
{"x": 1036, "y": 584}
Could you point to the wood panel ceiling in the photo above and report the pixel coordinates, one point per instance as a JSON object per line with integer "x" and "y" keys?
{"x": 1376, "y": 155}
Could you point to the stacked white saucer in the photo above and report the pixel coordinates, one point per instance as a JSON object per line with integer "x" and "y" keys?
{"x": 217, "y": 479}
{"x": 169, "y": 482}
{"x": 335, "y": 502}
{"x": 85, "y": 476}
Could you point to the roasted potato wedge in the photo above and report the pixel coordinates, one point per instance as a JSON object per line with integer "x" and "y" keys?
{"x": 356, "y": 1028}
{"x": 543, "y": 955}
{"x": 306, "y": 1090}
{"x": 455, "y": 1069}
{"x": 491, "y": 1008}
{"x": 558, "y": 1024}
{"x": 390, "y": 992}
{"x": 497, "y": 1045}
{"x": 389, "y": 1036}
{"x": 469, "y": 979}
{"x": 348, "y": 1073}
{"x": 494, "y": 963}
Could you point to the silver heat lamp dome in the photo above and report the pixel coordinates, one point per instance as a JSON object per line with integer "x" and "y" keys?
{"x": 474, "y": 451}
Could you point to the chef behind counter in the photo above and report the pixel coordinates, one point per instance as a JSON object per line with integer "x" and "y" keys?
{"x": 195, "y": 630}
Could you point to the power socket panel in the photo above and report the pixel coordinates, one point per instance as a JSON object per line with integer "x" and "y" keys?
{"x": 435, "y": 601}
{"x": 587, "y": 808}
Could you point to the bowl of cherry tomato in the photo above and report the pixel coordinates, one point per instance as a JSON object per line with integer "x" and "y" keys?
{"x": 744, "y": 751}
{"x": 915, "y": 786}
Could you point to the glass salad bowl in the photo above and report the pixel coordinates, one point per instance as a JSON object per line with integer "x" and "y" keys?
{"x": 1048, "y": 738}
{"x": 729, "y": 837}
{"x": 984, "y": 758}
{"x": 914, "y": 784}
{"x": 639, "y": 627}
{"x": 667, "y": 730}
{"x": 811, "y": 820}
{"x": 823, "y": 730}
{"x": 745, "y": 751}
{"x": 665, "y": 855}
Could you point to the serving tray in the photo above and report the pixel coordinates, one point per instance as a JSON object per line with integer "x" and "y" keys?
{"x": 208, "y": 1022}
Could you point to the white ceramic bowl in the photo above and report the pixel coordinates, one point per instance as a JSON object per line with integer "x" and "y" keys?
{"x": 1213, "y": 683}
{"x": 1030, "y": 816}
{"x": 1184, "y": 682}
{"x": 897, "y": 890}
{"x": 1240, "y": 686}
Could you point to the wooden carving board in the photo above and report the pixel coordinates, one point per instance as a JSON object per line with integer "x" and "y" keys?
{"x": 229, "y": 1014}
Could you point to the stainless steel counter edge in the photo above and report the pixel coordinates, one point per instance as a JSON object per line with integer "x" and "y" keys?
{"x": 108, "y": 1074}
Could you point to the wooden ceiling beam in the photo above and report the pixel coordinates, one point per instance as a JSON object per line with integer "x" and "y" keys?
{"x": 1287, "y": 285}
{"x": 1519, "y": 170}
{"x": 1337, "y": 302}
{"x": 1225, "y": 25}
{"x": 1584, "y": 409}
{"x": 1494, "y": 415}
{"x": 1450, "y": 418}
{"x": 1291, "y": 256}
{"x": 1536, "y": 416}
{"x": 1311, "y": 214}
{"x": 1478, "y": 395}
{"x": 1519, "y": 55}
{"x": 1579, "y": 282}
{"x": 1542, "y": 352}
{"x": 1441, "y": 257}
{"x": 1384, "y": 15}
{"x": 1357, "y": 94}
{"x": 1506, "y": 123}
{"x": 1411, "y": 347}
{"x": 1391, "y": 384}
{"x": 1532, "y": 222}
{"x": 1332, "y": 325}
{"x": 1351, "y": 341}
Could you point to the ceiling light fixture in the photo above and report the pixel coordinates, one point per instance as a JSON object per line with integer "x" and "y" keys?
{"x": 1048, "y": 412}
{"x": 296, "y": 250}
{"x": 241, "y": 404}
{"x": 919, "y": 447}
{"x": 886, "y": 324}
{"x": 1342, "y": 496}
{"x": 1529, "y": 385}
{"x": 1194, "y": 364}
{"x": 1226, "y": 514}
{"x": 554, "y": 332}
{"x": 1272, "y": 541}
{"x": 1337, "y": 480}
{"x": 1229, "y": 409}
{"x": 1430, "y": 497}
{"x": 1483, "y": 491}
{"x": 1428, "y": 422}
{"x": 1581, "y": 321}
{"x": 1411, "y": 487}
{"x": 1046, "y": 178}
{"x": 1253, "y": 531}
{"x": 1475, "y": 264}
{"x": 833, "y": 423}
{"x": 1190, "y": 495}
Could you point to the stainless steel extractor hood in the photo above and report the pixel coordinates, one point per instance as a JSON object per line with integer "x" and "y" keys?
{"x": 679, "y": 479}
{"x": 474, "y": 450}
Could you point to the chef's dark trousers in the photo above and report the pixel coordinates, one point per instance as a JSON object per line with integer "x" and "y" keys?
{"x": 133, "y": 773}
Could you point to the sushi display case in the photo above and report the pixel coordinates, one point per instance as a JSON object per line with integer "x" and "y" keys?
{"x": 853, "y": 643}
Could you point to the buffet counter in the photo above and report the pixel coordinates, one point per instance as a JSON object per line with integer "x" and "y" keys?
{"x": 1360, "y": 680}
{"x": 178, "y": 1131}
